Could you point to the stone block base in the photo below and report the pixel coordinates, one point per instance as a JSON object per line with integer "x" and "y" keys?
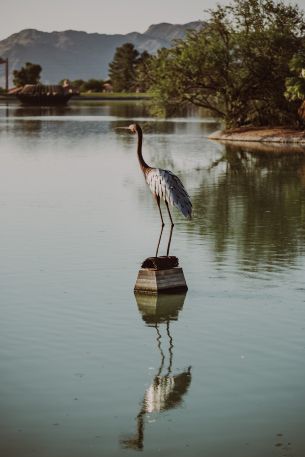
{"x": 153, "y": 281}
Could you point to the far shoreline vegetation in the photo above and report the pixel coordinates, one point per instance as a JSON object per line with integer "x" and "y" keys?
{"x": 245, "y": 66}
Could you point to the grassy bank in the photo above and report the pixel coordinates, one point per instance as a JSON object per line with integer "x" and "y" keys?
{"x": 128, "y": 96}
{"x": 113, "y": 96}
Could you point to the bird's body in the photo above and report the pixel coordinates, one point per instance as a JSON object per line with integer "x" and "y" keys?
{"x": 163, "y": 183}
{"x": 168, "y": 187}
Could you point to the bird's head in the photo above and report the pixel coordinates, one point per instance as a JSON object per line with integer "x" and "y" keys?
{"x": 132, "y": 128}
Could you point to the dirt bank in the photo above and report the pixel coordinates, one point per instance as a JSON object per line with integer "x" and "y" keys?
{"x": 262, "y": 135}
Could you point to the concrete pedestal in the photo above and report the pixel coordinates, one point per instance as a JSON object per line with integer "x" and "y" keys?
{"x": 154, "y": 281}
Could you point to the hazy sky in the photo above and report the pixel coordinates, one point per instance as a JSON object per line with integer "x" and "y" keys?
{"x": 112, "y": 16}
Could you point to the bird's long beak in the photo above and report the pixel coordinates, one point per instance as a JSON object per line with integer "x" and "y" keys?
{"x": 121, "y": 128}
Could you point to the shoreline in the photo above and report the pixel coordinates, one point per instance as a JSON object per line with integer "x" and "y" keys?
{"x": 101, "y": 97}
{"x": 279, "y": 135}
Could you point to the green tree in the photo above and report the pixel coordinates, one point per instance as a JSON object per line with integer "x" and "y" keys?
{"x": 295, "y": 84}
{"x": 122, "y": 70}
{"x": 93, "y": 85}
{"x": 142, "y": 75}
{"x": 236, "y": 65}
{"x": 28, "y": 74}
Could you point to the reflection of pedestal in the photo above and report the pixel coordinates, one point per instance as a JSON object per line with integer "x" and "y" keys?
{"x": 159, "y": 308}
{"x": 161, "y": 278}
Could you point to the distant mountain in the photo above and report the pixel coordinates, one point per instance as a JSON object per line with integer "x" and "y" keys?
{"x": 73, "y": 55}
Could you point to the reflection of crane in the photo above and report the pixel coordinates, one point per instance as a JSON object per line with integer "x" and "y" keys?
{"x": 163, "y": 185}
{"x": 166, "y": 390}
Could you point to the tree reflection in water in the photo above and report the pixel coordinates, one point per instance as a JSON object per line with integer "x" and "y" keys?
{"x": 166, "y": 390}
{"x": 253, "y": 200}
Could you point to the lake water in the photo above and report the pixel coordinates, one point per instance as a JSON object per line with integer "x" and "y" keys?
{"x": 87, "y": 368}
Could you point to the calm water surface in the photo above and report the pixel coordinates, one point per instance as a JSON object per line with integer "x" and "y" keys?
{"x": 87, "y": 368}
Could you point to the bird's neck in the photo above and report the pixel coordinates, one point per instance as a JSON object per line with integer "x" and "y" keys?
{"x": 142, "y": 162}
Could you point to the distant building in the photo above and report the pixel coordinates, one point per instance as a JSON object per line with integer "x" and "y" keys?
{"x": 42, "y": 95}
{"x": 107, "y": 87}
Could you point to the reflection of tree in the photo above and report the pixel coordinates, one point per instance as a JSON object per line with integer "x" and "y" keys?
{"x": 22, "y": 111}
{"x": 127, "y": 109}
{"x": 33, "y": 126}
{"x": 166, "y": 390}
{"x": 256, "y": 205}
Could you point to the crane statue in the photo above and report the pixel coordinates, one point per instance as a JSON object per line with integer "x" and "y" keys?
{"x": 163, "y": 185}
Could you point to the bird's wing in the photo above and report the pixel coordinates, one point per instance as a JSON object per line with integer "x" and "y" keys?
{"x": 168, "y": 186}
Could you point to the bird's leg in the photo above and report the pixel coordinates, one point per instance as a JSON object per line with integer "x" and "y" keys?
{"x": 158, "y": 203}
{"x": 162, "y": 223}
{"x": 169, "y": 240}
{"x": 172, "y": 226}
{"x": 159, "y": 240}
{"x": 169, "y": 213}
